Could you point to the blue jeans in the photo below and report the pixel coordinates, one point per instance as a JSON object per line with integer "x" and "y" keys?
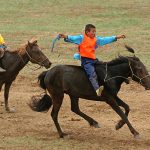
{"x": 89, "y": 67}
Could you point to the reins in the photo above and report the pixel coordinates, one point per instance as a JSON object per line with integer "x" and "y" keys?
{"x": 105, "y": 79}
{"x": 132, "y": 74}
{"x": 140, "y": 79}
{"x": 30, "y": 58}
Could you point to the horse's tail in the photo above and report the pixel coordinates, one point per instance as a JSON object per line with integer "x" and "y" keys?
{"x": 41, "y": 79}
{"x": 41, "y": 103}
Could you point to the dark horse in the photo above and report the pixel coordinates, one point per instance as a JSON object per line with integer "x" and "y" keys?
{"x": 73, "y": 81}
{"x": 14, "y": 61}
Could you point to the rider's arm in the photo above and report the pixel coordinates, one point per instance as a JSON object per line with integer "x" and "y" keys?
{"x": 76, "y": 39}
{"x": 105, "y": 40}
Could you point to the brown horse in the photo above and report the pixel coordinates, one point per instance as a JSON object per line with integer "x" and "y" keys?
{"x": 73, "y": 81}
{"x": 14, "y": 61}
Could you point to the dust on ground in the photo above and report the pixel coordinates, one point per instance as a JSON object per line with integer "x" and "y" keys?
{"x": 27, "y": 130}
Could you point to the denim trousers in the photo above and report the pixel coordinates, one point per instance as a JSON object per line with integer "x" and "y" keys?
{"x": 89, "y": 67}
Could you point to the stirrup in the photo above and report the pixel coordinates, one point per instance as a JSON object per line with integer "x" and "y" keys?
{"x": 99, "y": 90}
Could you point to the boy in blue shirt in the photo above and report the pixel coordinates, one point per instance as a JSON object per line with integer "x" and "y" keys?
{"x": 87, "y": 45}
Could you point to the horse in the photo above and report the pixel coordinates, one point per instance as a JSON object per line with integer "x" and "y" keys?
{"x": 14, "y": 60}
{"x": 73, "y": 81}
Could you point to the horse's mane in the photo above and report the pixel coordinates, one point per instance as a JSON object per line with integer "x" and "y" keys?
{"x": 22, "y": 48}
{"x": 117, "y": 61}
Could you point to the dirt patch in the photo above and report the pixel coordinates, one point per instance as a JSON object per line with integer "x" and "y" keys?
{"x": 26, "y": 129}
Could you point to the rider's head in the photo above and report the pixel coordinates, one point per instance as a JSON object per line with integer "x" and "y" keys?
{"x": 90, "y": 30}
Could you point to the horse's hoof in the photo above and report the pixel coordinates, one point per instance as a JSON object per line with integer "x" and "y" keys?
{"x": 2, "y": 104}
{"x": 137, "y": 136}
{"x": 95, "y": 125}
{"x": 12, "y": 110}
{"x": 63, "y": 135}
{"x": 119, "y": 125}
{"x": 67, "y": 136}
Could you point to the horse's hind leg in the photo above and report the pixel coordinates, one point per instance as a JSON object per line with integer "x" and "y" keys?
{"x": 57, "y": 102}
{"x": 127, "y": 109}
{"x": 75, "y": 108}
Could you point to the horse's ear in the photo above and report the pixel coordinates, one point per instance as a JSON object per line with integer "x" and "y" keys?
{"x": 35, "y": 42}
{"x": 135, "y": 63}
{"x": 30, "y": 44}
{"x": 136, "y": 58}
{"x": 132, "y": 61}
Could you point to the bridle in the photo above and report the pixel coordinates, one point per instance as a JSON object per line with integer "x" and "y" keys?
{"x": 132, "y": 75}
{"x": 32, "y": 59}
{"x": 105, "y": 79}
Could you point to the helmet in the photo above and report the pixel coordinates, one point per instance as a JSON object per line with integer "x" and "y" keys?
{"x": 1, "y": 40}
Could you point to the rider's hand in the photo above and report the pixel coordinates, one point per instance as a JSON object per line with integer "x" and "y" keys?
{"x": 120, "y": 36}
{"x": 63, "y": 36}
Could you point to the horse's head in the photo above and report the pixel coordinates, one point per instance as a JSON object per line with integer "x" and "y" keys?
{"x": 139, "y": 72}
{"x": 36, "y": 55}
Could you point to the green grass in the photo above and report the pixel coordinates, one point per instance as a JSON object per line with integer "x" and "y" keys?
{"x": 22, "y": 19}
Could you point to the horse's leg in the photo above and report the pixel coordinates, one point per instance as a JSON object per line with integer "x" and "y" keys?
{"x": 6, "y": 94}
{"x": 0, "y": 91}
{"x": 57, "y": 102}
{"x": 127, "y": 109}
{"x": 75, "y": 108}
{"x": 112, "y": 102}
{"x": 1, "y": 87}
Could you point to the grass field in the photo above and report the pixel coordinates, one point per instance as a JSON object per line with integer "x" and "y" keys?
{"x": 22, "y": 19}
{"x": 45, "y": 19}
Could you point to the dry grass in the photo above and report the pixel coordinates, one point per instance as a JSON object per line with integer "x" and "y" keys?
{"x": 21, "y": 20}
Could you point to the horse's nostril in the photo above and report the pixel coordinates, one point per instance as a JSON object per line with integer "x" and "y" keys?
{"x": 48, "y": 65}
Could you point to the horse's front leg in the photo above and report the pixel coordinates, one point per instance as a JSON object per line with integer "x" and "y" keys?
{"x": 112, "y": 102}
{"x": 6, "y": 95}
{"x": 127, "y": 109}
{"x": 1, "y": 84}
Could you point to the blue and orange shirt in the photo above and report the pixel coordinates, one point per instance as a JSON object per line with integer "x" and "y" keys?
{"x": 88, "y": 45}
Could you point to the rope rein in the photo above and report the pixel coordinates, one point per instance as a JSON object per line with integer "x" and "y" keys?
{"x": 140, "y": 79}
{"x": 30, "y": 58}
{"x": 105, "y": 79}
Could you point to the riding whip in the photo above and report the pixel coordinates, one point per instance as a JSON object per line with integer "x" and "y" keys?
{"x": 54, "y": 41}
